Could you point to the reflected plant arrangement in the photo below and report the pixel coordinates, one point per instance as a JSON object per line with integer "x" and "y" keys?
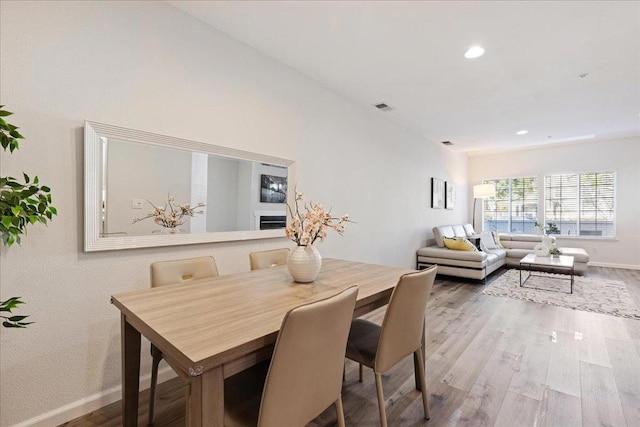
{"x": 171, "y": 214}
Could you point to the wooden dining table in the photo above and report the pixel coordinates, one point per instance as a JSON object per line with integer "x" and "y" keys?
{"x": 213, "y": 328}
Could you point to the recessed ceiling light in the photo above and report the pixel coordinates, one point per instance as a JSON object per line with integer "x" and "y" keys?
{"x": 474, "y": 52}
{"x": 522, "y": 132}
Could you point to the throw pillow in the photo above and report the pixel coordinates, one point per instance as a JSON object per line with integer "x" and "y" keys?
{"x": 496, "y": 238}
{"x": 488, "y": 241}
{"x": 459, "y": 244}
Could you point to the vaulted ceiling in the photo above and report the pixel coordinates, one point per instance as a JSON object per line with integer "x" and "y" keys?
{"x": 563, "y": 71}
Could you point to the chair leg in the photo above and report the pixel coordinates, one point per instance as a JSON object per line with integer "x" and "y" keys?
{"x": 157, "y": 357}
{"x": 340, "y": 412}
{"x": 360, "y": 373}
{"x": 423, "y": 383}
{"x": 383, "y": 413}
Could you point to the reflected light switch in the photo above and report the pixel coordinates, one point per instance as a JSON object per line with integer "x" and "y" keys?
{"x": 137, "y": 203}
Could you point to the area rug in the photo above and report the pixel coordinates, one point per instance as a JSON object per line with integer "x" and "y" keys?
{"x": 589, "y": 294}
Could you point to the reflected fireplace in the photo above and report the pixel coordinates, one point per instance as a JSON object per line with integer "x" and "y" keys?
{"x": 270, "y": 222}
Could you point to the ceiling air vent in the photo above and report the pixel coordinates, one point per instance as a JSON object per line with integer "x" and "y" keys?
{"x": 383, "y": 107}
{"x": 447, "y": 143}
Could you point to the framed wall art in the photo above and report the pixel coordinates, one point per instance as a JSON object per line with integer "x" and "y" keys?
{"x": 450, "y": 199}
{"x": 437, "y": 193}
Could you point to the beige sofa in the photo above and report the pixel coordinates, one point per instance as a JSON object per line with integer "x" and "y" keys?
{"x": 478, "y": 265}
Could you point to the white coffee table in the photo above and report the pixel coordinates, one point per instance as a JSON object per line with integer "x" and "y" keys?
{"x": 559, "y": 264}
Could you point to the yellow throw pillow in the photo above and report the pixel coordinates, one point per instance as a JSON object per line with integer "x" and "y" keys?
{"x": 459, "y": 244}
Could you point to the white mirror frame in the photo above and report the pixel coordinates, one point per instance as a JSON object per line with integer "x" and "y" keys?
{"x": 93, "y": 132}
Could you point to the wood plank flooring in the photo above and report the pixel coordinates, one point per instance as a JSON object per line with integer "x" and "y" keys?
{"x": 491, "y": 361}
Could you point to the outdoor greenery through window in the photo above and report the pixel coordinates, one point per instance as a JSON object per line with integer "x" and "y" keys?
{"x": 514, "y": 209}
{"x": 581, "y": 204}
{"x": 574, "y": 205}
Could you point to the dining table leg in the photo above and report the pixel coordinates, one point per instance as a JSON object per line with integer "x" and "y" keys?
{"x": 205, "y": 399}
{"x": 130, "y": 353}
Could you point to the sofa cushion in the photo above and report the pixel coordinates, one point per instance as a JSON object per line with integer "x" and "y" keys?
{"x": 526, "y": 237}
{"x": 459, "y": 244}
{"x": 578, "y": 254}
{"x": 442, "y": 231}
{"x": 492, "y": 258}
{"x": 437, "y": 252}
{"x": 518, "y": 253}
{"x": 458, "y": 230}
{"x": 517, "y": 244}
{"x": 500, "y": 253}
{"x": 468, "y": 228}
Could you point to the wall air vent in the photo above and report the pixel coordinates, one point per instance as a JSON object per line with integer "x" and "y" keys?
{"x": 383, "y": 107}
{"x": 447, "y": 143}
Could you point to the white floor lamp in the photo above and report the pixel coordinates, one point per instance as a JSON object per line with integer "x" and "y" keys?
{"x": 481, "y": 191}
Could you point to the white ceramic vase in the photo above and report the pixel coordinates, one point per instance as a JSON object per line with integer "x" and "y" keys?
{"x": 304, "y": 264}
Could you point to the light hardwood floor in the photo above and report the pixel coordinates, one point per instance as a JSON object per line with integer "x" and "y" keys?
{"x": 491, "y": 361}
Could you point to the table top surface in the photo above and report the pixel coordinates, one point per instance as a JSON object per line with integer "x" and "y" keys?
{"x": 562, "y": 261}
{"x": 210, "y": 320}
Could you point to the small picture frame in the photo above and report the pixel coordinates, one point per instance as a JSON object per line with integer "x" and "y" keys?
{"x": 273, "y": 189}
{"x": 450, "y": 199}
{"x": 437, "y": 193}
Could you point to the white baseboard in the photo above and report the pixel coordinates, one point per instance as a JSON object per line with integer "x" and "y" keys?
{"x": 90, "y": 403}
{"x": 612, "y": 265}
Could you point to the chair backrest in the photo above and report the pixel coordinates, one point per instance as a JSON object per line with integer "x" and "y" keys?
{"x": 266, "y": 259}
{"x": 305, "y": 376}
{"x": 403, "y": 323}
{"x": 182, "y": 270}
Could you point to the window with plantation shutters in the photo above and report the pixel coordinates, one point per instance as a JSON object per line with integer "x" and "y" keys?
{"x": 514, "y": 208}
{"x": 581, "y": 204}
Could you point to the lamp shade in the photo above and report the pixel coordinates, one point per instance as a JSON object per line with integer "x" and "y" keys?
{"x": 481, "y": 191}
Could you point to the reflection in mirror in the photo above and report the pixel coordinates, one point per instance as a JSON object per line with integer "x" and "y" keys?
{"x": 134, "y": 180}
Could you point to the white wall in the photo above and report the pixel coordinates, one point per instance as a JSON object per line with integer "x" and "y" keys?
{"x": 222, "y": 195}
{"x": 148, "y": 66}
{"x": 621, "y": 156}
{"x": 145, "y": 172}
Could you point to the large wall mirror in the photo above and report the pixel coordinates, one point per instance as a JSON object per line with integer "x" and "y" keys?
{"x": 129, "y": 174}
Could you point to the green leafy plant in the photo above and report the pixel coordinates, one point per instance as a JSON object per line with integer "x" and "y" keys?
{"x": 554, "y": 251}
{"x": 550, "y": 228}
{"x": 21, "y": 204}
{"x": 12, "y": 321}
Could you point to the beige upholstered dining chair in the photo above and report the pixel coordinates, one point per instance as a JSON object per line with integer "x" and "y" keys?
{"x": 266, "y": 259}
{"x": 169, "y": 273}
{"x": 305, "y": 374}
{"x": 401, "y": 333}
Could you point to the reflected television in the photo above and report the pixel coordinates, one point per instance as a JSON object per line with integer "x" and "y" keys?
{"x": 273, "y": 189}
